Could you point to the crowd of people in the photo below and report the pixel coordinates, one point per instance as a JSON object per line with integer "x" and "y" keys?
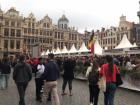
{"x": 48, "y": 70}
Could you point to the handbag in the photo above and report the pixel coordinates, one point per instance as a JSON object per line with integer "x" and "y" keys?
{"x": 102, "y": 83}
{"x": 118, "y": 80}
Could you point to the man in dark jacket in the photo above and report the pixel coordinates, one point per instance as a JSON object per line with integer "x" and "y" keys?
{"x": 68, "y": 75}
{"x": 6, "y": 70}
{"x": 50, "y": 76}
{"x": 22, "y": 75}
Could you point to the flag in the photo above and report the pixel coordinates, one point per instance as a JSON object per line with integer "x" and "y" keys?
{"x": 91, "y": 43}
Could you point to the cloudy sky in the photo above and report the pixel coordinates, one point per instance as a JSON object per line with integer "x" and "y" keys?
{"x": 82, "y": 14}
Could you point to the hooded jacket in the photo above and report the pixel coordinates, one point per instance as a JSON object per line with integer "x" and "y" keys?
{"x": 22, "y": 72}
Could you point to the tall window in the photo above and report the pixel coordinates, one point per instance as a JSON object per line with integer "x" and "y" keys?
{"x": 29, "y": 24}
{"x": 6, "y": 44}
{"x": 36, "y": 31}
{"x": 62, "y": 35}
{"x": 12, "y": 32}
{"x": 33, "y": 31}
{"x": 44, "y": 25}
{"x": 33, "y": 25}
{"x": 70, "y": 36}
{"x": 12, "y": 23}
{"x": 55, "y": 45}
{"x": 7, "y": 23}
{"x": 25, "y": 30}
{"x": 41, "y": 32}
{"x": 29, "y": 30}
{"x": 48, "y": 25}
{"x": 75, "y": 37}
{"x": 17, "y": 44}
{"x": 50, "y": 41}
{"x": 18, "y": 33}
{"x": 18, "y": 24}
{"x": 6, "y": 32}
{"x": 55, "y": 35}
{"x": 50, "y": 33}
{"x": 12, "y": 44}
{"x": 58, "y": 35}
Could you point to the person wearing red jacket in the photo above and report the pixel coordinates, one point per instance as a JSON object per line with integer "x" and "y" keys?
{"x": 109, "y": 70}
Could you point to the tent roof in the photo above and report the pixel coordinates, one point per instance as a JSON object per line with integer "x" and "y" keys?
{"x": 124, "y": 43}
{"x": 57, "y": 51}
{"x": 73, "y": 49}
{"x": 83, "y": 48}
{"x": 134, "y": 45}
{"x": 97, "y": 48}
{"x": 64, "y": 50}
{"x": 47, "y": 52}
{"x": 43, "y": 53}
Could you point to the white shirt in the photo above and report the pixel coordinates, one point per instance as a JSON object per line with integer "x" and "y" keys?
{"x": 40, "y": 71}
{"x": 129, "y": 66}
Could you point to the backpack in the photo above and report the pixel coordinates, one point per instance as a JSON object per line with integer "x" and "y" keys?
{"x": 93, "y": 78}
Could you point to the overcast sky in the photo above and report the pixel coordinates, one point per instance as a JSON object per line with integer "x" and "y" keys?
{"x": 82, "y": 14}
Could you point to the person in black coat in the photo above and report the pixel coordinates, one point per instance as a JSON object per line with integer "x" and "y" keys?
{"x": 22, "y": 75}
{"x": 6, "y": 70}
{"x": 68, "y": 75}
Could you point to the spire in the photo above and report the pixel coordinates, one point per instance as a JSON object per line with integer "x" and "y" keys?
{"x": 139, "y": 5}
{"x": 0, "y": 7}
{"x": 138, "y": 13}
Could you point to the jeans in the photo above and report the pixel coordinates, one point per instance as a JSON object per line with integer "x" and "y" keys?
{"x": 2, "y": 81}
{"x": 94, "y": 93}
{"x": 65, "y": 84}
{"x": 50, "y": 86}
{"x": 7, "y": 79}
{"x": 109, "y": 94}
{"x": 39, "y": 84}
{"x": 21, "y": 90}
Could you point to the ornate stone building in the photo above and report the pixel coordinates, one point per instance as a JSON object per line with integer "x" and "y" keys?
{"x": 19, "y": 34}
{"x": 110, "y": 38}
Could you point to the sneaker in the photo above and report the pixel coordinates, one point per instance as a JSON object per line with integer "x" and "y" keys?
{"x": 70, "y": 94}
{"x": 91, "y": 103}
{"x": 64, "y": 94}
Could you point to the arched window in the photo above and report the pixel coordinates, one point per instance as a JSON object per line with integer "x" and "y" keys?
{"x": 62, "y": 26}
{"x": 65, "y": 26}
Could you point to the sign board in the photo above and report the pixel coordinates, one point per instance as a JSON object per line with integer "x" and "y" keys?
{"x": 35, "y": 51}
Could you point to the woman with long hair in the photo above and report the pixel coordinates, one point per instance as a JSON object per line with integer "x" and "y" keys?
{"x": 93, "y": 78}
{"x": 109, "y": 70}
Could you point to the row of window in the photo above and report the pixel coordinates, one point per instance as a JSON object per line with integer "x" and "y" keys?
{"x": 72, "y": 36}
{"x": 34, "y": 41}
{"x": 12, "y": 23}
{"x": 36, "y": 31}
{"x": 61, "y": 45}
{"x": 18, "y": 24}
{"x": 59, "y": 35}
{"x": 12, "y": 32}
{"x": 45, "y": 25}
{"x": 12, "y": 44}
{"x": 107, "y": 41}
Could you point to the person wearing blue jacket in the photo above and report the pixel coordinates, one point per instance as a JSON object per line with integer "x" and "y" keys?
{"x": 50, "y": 76}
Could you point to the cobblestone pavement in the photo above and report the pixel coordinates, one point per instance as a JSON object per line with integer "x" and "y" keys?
{"x": 80, "y": 95}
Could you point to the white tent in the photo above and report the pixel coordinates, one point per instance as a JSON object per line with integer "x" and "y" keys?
{"x": 134, "y": 45}
{"x": 47, "y": 52}
{"x": 64, "y": 50}
{"x": 73, "y": 49}
{"x": 124, "y": 43}
{"x": 53, "y": 51}
{"x": 83, "y": 48}
{"x": 106, "y": 48}
{"x": 43, "y": 53}
{"x": 57, "y": 51}
{"x": 97, "y": 48}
